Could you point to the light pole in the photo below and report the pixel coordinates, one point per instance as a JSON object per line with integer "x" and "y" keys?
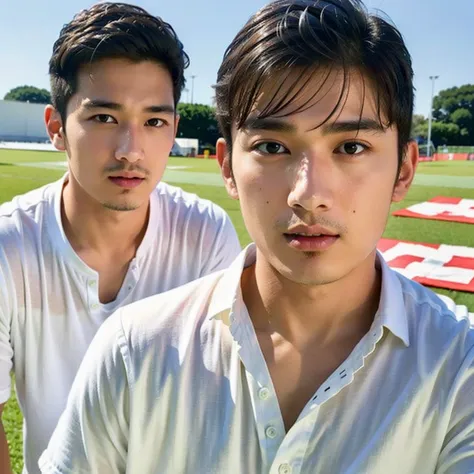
{"x": 430, "y": 115}
{"x": 187, "y": 94}
{"x": 192, "y": 88}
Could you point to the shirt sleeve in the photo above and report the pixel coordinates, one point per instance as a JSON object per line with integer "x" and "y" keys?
{"x": 459, "y": 310}
{"x": 6, "y": 350}
{"x": 225, "y": 248}
{"x": 457, "y": 453}
{"x": 92, "y": 433}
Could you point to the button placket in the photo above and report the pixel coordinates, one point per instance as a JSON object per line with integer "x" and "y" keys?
{"x": 271, "y": 432}
{"x": 267, "y": 415}
{"x": 92, "y": 293}
{"x": 131, "y": 279}
{"x": 284, "y": 468}
{"x": 264, "y": 393}
{"x": 266, "y": 408}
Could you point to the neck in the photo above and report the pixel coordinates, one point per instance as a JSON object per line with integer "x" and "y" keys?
{"x": 305, "y": 314}
{"x": 89, "y": 226}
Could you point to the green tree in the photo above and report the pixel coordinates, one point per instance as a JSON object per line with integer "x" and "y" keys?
{"x": 463, "y": 118}
{"x": 441, "y": 133}
{"x": 455, "y": 106}
{"x": 198, "y": 121}
{"x": 419, "y": 126}
{"x": 445, "y": 133}
{"x": 29, "y": 94}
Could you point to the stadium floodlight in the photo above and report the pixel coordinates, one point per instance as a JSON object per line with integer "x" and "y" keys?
{"x": 192, "y": 88}
{"x": 430, "y": 115}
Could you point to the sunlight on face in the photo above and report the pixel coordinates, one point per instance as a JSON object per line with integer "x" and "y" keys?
{"x": 120, "y": 129}
{"x": 315, "y": 193}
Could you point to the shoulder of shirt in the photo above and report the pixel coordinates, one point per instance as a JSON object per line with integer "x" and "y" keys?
{"x": 166, "y": 316}
{"x": 421, "y": 296}
{"x": 438, "y": 313}
{"x": 25, "y": 207}
{"x": 174, "y": 195}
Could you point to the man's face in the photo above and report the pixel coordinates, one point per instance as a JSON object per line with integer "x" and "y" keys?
{"x": 315, "y": 200}
{"x": 119, "y": 131}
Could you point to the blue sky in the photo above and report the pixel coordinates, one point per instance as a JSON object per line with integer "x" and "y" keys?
{"x": 438, "y": 33}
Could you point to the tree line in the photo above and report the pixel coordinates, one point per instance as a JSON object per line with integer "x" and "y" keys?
{"x": 453, "y": 118}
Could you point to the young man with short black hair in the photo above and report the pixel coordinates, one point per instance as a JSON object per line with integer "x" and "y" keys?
{"x": 110, "y": 232}
{"x": 309, "y": 354}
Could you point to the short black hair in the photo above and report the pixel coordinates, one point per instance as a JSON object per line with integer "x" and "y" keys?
{"x": 113, "y": 30}
{"x": 312, "y": 35}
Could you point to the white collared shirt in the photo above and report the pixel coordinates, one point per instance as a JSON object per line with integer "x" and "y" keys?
{"x": 177, "y": 384}
{"x": 49, "y": 297}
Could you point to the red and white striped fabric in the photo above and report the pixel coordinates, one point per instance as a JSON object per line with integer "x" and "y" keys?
{"x": 442, "y": 266}
{"x": 442, "y": 208}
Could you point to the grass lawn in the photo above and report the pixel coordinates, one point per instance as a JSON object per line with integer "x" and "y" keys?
{"x": 447, "y": 168}
{"x": 17, "y": 175}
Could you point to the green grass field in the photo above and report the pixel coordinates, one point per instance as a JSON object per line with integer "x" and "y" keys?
{"x": 21, "y": 171}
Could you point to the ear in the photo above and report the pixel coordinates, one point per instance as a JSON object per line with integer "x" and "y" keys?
{"x": 407, "y": 172}
{"x": 54, "y": 127}
{"x": 223, "y": 158}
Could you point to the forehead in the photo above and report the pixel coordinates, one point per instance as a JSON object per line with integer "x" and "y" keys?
{"x": 124, "y": 79}
{"x": 317, "y": 97}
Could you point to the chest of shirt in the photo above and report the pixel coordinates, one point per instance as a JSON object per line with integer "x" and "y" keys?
{"x": 54, "y": 311}
{"x": 51, "y": 284}
{"x": 201, "y": 416}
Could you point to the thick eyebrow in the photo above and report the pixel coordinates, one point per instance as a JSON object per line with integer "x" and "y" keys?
{"x": 105, "y": 104}
{"x": 346, "y": 126}
{"x": 268, "y": 124}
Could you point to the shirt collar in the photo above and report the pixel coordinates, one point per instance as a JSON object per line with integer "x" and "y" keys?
{"x": 227, "y": 290}
{"x": 57, "y": 233}
{"x": 391, "y": 313}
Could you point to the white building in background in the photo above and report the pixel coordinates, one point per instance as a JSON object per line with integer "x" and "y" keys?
{"x": 185, "y": 147}
{"x": 23, "y": 122}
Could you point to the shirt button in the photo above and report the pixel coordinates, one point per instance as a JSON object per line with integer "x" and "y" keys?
{"x": 95, "y": 306}
{"x": 284, "y": 469}
{"x": 263, "y": 393}
{"x": 271, "y": 432}
{"x": 92, "y": 283}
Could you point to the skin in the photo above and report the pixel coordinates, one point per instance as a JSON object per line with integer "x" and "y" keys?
{"x": 120, "y": 120}
{"x": 290, "y": 173}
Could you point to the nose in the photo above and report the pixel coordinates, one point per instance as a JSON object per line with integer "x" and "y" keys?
{"x": 313, "y": 186}
{"x": 130, "y": 144}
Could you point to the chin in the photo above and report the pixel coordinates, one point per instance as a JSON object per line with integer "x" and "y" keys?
{"x": 313, "y": 272}
{"x": 121, "y": 207}
{"x": 314, "y": 280}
